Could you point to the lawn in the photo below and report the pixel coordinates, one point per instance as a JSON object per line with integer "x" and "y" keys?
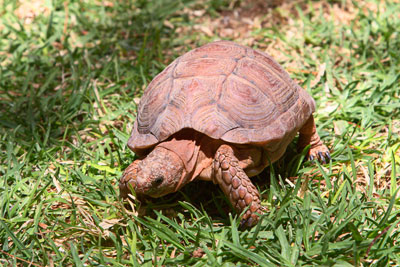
{"x": 72, "y": 73}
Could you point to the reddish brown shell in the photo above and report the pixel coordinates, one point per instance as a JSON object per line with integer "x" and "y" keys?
{"x": 226, "y": 91}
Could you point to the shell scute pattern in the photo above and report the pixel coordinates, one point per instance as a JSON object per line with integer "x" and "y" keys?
{"x": 153, "y": 102}
{"x": 282, "y": 94}
{"x": 247, "y": 106}
{"x": 226, "y": 91}
{"x": 218, "y": 50}
{"x": 204, "y": 67}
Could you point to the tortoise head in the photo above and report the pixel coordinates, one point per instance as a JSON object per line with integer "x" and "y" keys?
{"x": 158, "y": 174}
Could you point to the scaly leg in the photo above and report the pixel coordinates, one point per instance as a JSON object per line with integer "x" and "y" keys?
{"x": 309, "y": 135}
{"x": 236, "y": 185}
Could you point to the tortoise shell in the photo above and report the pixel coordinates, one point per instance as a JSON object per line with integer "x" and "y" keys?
{"x": 226, "y": 91}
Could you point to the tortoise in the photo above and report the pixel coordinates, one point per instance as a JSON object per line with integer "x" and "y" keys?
{"x": 221, "y": 112}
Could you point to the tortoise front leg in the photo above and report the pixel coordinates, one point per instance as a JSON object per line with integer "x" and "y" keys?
{"x": 309, "y": 135}
{"x": 236, "y": 185}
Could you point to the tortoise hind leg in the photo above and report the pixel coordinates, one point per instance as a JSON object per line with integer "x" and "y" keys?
{"x": 309, "y": 135}
{"x": 236, "y": 185}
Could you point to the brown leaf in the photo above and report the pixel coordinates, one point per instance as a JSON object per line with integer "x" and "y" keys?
{"x": 168, "y": 24}
{"x": 108, "y": 223}
{"x": 43, "y": 225}
{"x": 204, "y": 29}
{"x": 198, "y": 253}
{"x": 320, "y": 73}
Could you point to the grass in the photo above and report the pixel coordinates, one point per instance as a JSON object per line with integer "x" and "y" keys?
{"x": 71, "y": 73}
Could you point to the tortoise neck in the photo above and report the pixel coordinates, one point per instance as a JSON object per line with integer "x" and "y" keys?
{"x": 186, "y": 149}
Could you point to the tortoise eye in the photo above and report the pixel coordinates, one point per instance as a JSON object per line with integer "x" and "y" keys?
{"x": 158, "y": 180}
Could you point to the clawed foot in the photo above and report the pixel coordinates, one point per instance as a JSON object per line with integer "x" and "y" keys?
{"x": 249, "y": 220}
{"x": 320, "y": 153}
{"x": 309, "y": 136}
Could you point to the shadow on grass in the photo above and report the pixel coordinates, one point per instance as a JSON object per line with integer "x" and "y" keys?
{"x": 207, "y": 196}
